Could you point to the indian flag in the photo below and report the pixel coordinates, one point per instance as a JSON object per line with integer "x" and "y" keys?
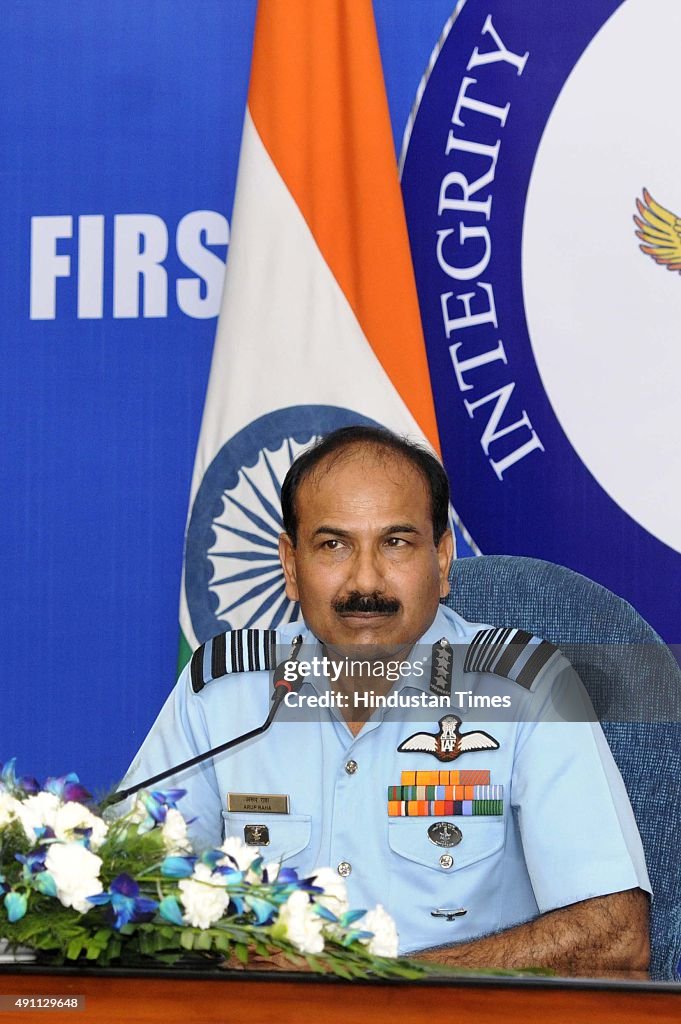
{"x": 319, "y": 326}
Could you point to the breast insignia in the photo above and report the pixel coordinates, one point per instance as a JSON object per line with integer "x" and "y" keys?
{"x": 237, "y": 650}
{"x": 448, "y": 743}
{"x": 511, "y": 653}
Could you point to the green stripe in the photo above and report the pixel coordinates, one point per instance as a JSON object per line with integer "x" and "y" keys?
{"x": 184, "y": 653}
{"x": 488, "y": 807}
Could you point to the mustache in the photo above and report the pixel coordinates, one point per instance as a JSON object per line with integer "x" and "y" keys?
{"x": 376, "y": 603}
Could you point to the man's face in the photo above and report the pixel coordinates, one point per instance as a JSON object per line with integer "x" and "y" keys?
{"x": 365, "y": 567}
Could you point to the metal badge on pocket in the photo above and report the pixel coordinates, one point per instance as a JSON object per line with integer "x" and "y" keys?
{"x": 443, "y": 833}
{"x": 256, "y": 835}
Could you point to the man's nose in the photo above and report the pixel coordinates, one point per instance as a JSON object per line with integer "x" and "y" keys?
{"x": 367, "y": 575}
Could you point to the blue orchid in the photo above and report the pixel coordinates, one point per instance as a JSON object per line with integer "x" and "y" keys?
{"x": 212, "y": 857}
{"x": 169, "y": 909}
{"x": 233, "y": 875}
{"x": 156, "y": 802}
{"x": 29, "y": 785}
{"x": 287, "y": 876}
{"x": 8, "y": 778}
{"x": 350, "y": 916}
{"x": 45, "y": 883}
{"x": 324, "y": 912}
{"x": 43, "y": 832}
{"x": 264, "y": 910}
{"x": 125, "y": 902}
{"x": 68, "y": 787}
{"x": 9, "y": 783}
{"x": 15, "y": 905}
{"x": 35, "y": 873}
{"x": 178, "y": 867}
{"x": 236, "y": 905}
{"x": 308, "y": 886}
{"x": 34, "y": 861}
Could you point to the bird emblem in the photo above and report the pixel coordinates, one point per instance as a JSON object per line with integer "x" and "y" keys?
{"x": 448, "y": 743}
{"x": 660, "y": 229}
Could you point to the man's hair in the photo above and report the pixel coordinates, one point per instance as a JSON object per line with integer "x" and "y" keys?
{"x": 377, "y": 438}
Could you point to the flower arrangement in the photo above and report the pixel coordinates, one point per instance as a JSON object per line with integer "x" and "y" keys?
{"x": 74, "y": 885}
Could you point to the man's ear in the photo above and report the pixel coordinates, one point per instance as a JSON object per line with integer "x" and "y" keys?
{"x": 445, "y": 555}
{"x": 287, "y": 557}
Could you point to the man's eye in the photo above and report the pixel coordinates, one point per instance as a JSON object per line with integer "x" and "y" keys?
{"x": 331, "y": 545}
{"x": 395, "y": 542}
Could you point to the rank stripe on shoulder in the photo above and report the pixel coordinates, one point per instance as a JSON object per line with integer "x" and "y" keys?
{"x": 237, "y": 650}
{"x": 535, "y": 663}
{"x": 512, "y": 653}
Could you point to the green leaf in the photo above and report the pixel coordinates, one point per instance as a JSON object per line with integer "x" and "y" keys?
{"x": 74, "y": 949}
{"x": 314, "y": 965}
{"x": 241, "y": 950}
{"x": 341, "y": 970}
{"x": 204, "y": 941}
{"x": 222, "y": 943}
{"x": 187, "y": 938}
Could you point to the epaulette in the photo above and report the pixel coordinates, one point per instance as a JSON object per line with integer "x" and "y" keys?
{"x": 511, "y": 653}
{"x": 237, "y": 650}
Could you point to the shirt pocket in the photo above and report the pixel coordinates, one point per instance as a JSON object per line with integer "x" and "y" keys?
{"x": 481, "y": 838}
{"x": 425, "y": 877}
{"x": 288, "y": 834}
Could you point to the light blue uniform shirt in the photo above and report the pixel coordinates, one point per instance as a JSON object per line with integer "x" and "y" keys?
{"x": 567, "y": 832}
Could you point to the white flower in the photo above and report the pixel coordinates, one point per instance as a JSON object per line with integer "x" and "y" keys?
{"x": 204, "y": 897}
{"x": 273, "y": 867}
{"x": 385, "y": 940}
{"x": 335, "y": 896}
{"x": 39, "y": 811}
{"x": 71, "y": 816}
{"x": 76, "y": 874}
{"x": 174, "y": 833}
{"x": 303, "y": 927}
{"x": 242, "y": 854}
{"x": 10, "y": 810}
{"x": 137, "y": 813}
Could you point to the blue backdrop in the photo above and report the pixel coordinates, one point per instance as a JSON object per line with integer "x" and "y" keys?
{"x": 115, "y": 109}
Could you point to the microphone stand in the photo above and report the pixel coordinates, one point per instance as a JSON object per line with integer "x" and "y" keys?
{"x": 281, "y": 688}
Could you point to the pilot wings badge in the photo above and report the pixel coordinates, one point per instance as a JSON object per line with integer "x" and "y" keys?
{"x": 448, "y": 743}
{"x": 660, "y": 229}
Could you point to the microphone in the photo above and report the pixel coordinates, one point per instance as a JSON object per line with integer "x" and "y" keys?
{"x": 282, "y": 686}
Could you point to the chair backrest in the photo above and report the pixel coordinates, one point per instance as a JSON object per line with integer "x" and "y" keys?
{"x": 634, "y": 683}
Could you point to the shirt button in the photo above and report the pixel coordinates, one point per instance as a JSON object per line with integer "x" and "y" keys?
{"x": 351, "y": 767}
{"x": 446, "y": 860}
{"x": 344, "y": 868}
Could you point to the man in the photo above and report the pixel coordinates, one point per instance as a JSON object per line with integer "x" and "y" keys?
{"x": 547, "y": 869}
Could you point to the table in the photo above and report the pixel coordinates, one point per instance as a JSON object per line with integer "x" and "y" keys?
{"x": 211, "y": 996}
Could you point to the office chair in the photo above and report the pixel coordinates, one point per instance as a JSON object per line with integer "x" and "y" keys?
{"x": 634, "y": 683}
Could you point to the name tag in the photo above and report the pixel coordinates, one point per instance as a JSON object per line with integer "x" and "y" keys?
{"x": 263, "y": 803}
